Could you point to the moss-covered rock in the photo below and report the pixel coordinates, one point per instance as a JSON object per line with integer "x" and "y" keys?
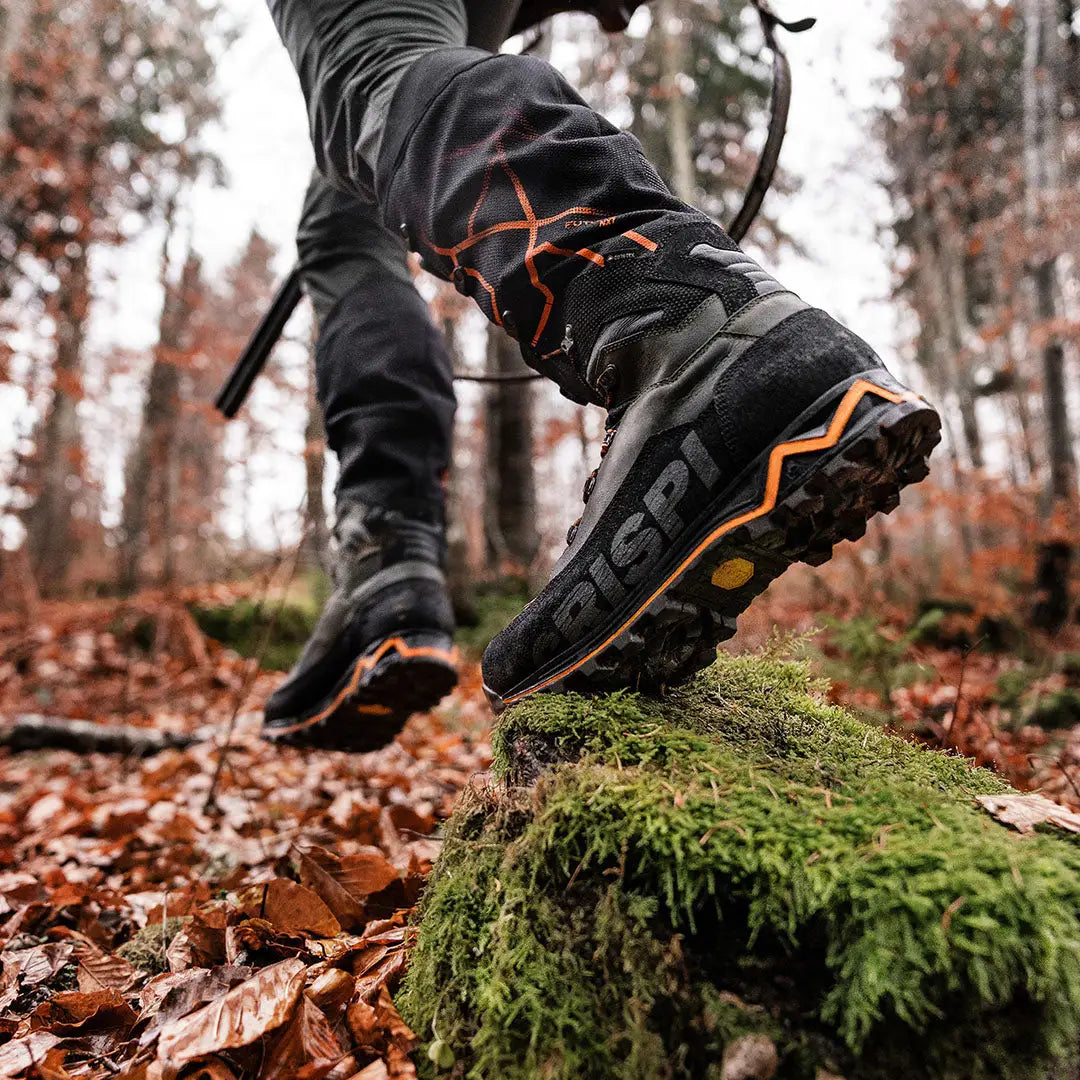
{"x": 740, "y": 859}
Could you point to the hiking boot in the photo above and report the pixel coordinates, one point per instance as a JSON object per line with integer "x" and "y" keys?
{"x": 383, "y": 647}
{"x": 745, "y": 443}
{"x": 747, "y": 430}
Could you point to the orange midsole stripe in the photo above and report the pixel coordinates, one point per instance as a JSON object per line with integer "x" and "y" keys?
{"x": 366, "y": 663}
{"x": 780, "y": 453}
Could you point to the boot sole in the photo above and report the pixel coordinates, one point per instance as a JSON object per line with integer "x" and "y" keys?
{"x": 369, "y": 705}
{"x": 819, "y": 489}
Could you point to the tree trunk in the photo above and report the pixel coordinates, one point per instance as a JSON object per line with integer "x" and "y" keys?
{"x": 59, "y": 466}
{"x": 511, "y": 506}
{"x": 1043, "y": 63}
{"x": 947, "y": 338}
{"x": 15, "y": 16}
{"x": 679, "y": 135}
{"x": 1062, "y": 482}
{"x": 1043, "y": 80}
{"x": 150, "y": 489}
{"x": 316, "y": 532}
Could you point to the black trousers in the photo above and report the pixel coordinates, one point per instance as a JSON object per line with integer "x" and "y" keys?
{"x": 383, "y": 371}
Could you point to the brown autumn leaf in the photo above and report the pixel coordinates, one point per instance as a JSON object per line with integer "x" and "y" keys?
{"x": 399, "y": 1064}
{"x": 319, "y": 869}
{"x": 375, "y": 1071}
{"x": 177, "y": 993}
{"x": 257, "y": 936}
{"x": 305, "y": 1045}
{"x": 355, "y": 817}
{"x": 201, "y": 943}
{"x": 99, "y": 970}
{"x": 247, "y": 1012}
{"x": 289, "y": 906}
{"x": 408, "y": 819}
{"x": 211, "y": 1070}
{"x": 1024, "y": 812}
{"x": 74, "y": 1012}
{"x": 366, "y": 873}
{"x": 39, "y": 964}
{"x": 378, "y": 1025}
{"x": 21, "y": 1054}
{"x": 331, "y": 991}
{"x": 400, "y": 1033}
{"x": 363, "y": 1024}
{"x": 52, "y": 1068}
{"x": 387, "y": 973}
{"x": 365, "y": 957}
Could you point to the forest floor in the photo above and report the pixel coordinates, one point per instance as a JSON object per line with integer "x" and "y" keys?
{"x": 234, "y": 909}
{"x": 145, "y": 907}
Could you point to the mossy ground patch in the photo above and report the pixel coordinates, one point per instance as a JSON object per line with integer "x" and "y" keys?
{"x": 742, "y": 857}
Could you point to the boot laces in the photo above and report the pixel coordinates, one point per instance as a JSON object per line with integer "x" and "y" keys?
{"x": 590, "y": 481}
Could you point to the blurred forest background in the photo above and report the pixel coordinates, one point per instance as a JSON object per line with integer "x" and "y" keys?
{"x": 118, "y": 480}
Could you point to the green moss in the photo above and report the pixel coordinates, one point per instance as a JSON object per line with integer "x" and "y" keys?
{"x": 1058, "y": 711}
{"x": 242, "y": 626}
{"x": 146, "y": 948}
{"x": 742, "y": 857}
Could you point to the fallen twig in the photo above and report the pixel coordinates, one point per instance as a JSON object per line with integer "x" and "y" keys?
{"x": 32, "y": 732}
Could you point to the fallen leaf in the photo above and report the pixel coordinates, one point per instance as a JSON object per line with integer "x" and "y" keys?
{"x": 76, "y": 1012}
{"x": 367, "y": 873}
{"x": 399, "y": 1031}
{"x": 201, "y": 943}
{"x": 375, "y": 1071}
{"x": 1024, "y": 812}
{"x": 318, "y": 868}
{"x": 21, "y": 1054}
{"x": 99, "y": 970}
{"x": 306, "y": 1045}
{"x": 378, "y": 978}
{"x": 177, "y": 993}
{"x": 399, "y": 1064}
{"x": 363, "y": 1023}
{"x": 211, "y": 1070}
{"x": 332, "y": 990}
{"x": 52, "y": 1068}
{"x": 289, "y": 906}
{"x": 39, "y": 964}
{"x": 355, "y": 816}
{"x": 247, "y": 1012}
{"x": 249, "y": 937}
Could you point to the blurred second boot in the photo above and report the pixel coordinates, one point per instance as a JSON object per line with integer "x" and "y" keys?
{"x": 383, "y": 647}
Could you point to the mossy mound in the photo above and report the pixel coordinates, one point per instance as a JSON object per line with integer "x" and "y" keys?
{"x": 243, "y": 626}
{"x": 741, "y": 858}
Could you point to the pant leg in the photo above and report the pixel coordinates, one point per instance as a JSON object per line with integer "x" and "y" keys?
{"x": 350, "y": 56}
{"x": 383, "y": 373}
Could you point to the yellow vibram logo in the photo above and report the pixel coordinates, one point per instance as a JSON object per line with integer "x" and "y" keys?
{"x": 733, "y": 574}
